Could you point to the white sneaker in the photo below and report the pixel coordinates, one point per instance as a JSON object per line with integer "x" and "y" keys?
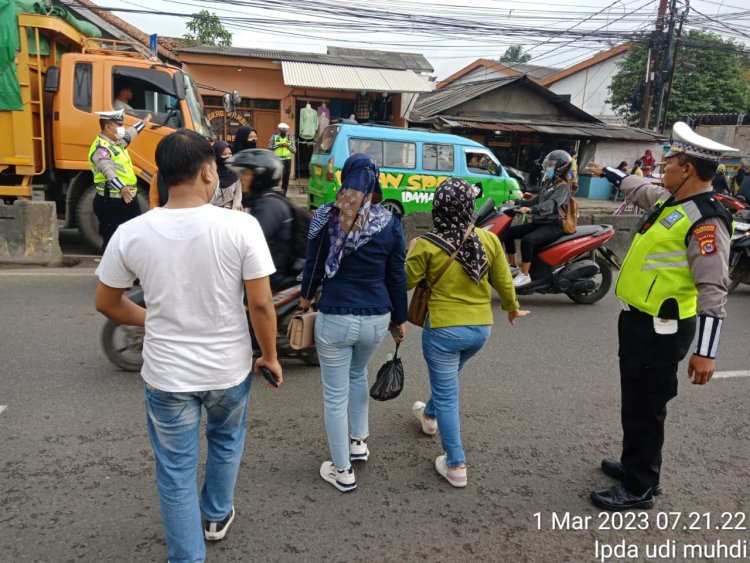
{"x": 215, "y": 531}
{"x": 358, "y": 450}
{"x": 343, "y": 480}
{"x": 429, "y": 425}
{"x": 521, "y": 279}
{"x": 456, "y": 476}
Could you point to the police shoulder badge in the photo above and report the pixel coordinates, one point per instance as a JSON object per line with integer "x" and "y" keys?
{"x": 706, "y": 237}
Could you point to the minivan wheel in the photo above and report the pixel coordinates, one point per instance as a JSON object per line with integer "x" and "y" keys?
{"x": 393, "y": 206}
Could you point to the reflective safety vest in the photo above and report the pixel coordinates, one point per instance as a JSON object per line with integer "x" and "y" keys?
{"x": 656, "y": 266}
{"x": 284, "y": 153}
{"x": 123, "y": 166}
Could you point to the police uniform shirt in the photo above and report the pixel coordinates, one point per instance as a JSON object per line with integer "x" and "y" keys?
{"x": 102, "y": 159}
{"x": 707, "y": 251}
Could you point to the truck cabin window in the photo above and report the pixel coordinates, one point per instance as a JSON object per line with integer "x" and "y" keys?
{"x": 143, "y": 91}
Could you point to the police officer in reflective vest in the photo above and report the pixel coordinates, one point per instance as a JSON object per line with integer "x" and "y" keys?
{"x": 282, "y": 143}
{"x": 673, "y": 279}
{"x": 114, "y": 176}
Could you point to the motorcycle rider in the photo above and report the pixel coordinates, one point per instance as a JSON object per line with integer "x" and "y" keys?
{"x": 260, "y": 173}
{"x": 546, "y": 225}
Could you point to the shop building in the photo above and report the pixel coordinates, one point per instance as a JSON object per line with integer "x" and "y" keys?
{"x": 305, "y": 90}
{"x": 521, "y": 121}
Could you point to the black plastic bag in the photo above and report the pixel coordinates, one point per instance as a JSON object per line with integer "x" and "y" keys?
{"x": 390, "y": 380}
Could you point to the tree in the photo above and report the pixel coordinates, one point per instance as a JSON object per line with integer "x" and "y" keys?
{"x": 205, "y": 29}
{"x": 515, "y": 54}
{"x": 710, "y": 76}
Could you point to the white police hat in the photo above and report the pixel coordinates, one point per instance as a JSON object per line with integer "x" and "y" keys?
{"x": 283, "y": 125}
{"x": 118, "y": 115}
{"x": 686, "y": 141}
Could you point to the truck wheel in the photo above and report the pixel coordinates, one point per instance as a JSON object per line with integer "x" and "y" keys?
{"x": 88, "y": 224}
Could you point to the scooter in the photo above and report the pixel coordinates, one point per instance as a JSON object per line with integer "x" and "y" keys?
{"x": 578, "y": 265}
{"x": 739, "y": 250}
{"x": 123, "y": 344}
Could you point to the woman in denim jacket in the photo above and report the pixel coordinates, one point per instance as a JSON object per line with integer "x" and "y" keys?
{"x": 357, "y": 248}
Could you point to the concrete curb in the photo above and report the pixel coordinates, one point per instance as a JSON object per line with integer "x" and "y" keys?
{"x": 29, "y": 234}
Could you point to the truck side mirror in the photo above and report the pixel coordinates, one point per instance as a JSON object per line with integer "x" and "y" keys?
{"x": 52, "y": 79}
{"x": 227, "y": 103}
{"x": 179, "y": 85}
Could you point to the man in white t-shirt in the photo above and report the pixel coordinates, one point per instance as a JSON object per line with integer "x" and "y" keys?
{"x": 193, "y": 261}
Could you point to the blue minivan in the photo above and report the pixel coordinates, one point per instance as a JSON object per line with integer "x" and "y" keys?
{"x": 412, "y": 164}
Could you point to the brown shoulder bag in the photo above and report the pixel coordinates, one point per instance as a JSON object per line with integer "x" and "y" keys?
{"x": 418, "y": 306}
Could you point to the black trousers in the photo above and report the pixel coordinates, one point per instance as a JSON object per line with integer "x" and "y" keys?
{"x": 113, "y": 212}
{"x": 532, "y": 235}
{"x": 648, "y": 381}
{"x": 285, "y": 177}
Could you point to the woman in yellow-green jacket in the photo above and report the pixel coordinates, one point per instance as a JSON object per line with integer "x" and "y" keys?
{"x": 460, "y": 311}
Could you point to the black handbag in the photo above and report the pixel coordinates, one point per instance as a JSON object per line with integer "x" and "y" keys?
{"x": 390, "y": 380}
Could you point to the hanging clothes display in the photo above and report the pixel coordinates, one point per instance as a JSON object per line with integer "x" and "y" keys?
{"x": 324, "y": 117}
{"x": 363, "y": 108}
{"x": 308, "y": 122}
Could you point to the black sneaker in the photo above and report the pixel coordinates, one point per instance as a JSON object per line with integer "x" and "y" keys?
{"x": 215, "y": 531}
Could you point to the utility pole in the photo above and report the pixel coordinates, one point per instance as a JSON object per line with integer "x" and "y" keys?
{"x": 666, "y": 70}
{"x": 683, "y": 17}
{"x": 652, "y": 65}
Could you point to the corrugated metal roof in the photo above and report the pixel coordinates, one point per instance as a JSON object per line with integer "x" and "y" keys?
{"x": 534, "y": 71}
{"x": 410, "y": 61}
{"x": 575, "y": 129}
{"x": 309, "y": 75}
{"x": 446, "y": 98}
{"x": 353, "y": 57}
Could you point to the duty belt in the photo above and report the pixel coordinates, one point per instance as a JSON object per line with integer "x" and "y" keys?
{"x": 103, "y": 190}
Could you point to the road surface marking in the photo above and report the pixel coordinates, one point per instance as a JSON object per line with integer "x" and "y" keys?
{"x": 36, "y": 273}
{"x": 743, "y": 373}
{"x": 2, "y": 408}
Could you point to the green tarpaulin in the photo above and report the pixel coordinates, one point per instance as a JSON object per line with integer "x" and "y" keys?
{"x": 10, "y": 91}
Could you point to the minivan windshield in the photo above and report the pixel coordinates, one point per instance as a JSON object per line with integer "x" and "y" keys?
{"x": 324, "y": 144}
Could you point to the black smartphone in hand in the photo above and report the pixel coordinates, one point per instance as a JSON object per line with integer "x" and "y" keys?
{"x": 268, "y": 374}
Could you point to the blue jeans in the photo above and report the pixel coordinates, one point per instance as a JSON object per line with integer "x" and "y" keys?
{"x": 173, "y": 426}
{"x": 446, "y": 351}
{"x": 345, "y": 344}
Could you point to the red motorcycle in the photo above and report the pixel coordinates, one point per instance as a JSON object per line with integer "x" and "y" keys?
{"x": 578, "y": 265}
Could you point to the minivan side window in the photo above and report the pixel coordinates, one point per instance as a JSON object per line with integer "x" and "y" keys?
{"x": 368, "y": 146}
{"x": 400, "y": 155}
{"x": 324, "y": 144}
{"x": 437, "y": 157}
{"x": 478, "y": 162}
{"x": 82, "y": 86}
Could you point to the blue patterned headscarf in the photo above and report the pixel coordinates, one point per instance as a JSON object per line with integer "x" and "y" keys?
{"x": 353, "y": 219}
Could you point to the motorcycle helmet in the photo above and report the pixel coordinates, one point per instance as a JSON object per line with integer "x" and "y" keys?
{"x": 266, "y": 166}
{"x": 556, "y": 165}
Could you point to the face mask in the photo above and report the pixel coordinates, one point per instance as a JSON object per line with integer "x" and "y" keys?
{"x": 549, "y": 173}
{"x": 217, "y": 189}
{"x": 225, "y": 156}
{"x": 120, "y": 132}
{"x": 252, "y": 143}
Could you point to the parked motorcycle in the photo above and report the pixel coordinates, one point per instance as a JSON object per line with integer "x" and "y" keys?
{"x": 739, "y": 250}
{"x": 578, "y": 265}
{"x": 123, "y": 344}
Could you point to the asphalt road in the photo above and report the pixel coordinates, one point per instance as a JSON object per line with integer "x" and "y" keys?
{"x": 539, "y": 411}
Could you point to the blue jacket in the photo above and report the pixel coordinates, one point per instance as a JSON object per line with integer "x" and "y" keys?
{"x": 370, "y": 281}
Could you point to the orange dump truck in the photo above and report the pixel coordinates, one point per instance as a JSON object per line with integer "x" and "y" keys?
{"x": 47, "y": 119}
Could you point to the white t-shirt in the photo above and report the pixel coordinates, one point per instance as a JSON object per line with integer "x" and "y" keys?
{"x": 191, "y": 263}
